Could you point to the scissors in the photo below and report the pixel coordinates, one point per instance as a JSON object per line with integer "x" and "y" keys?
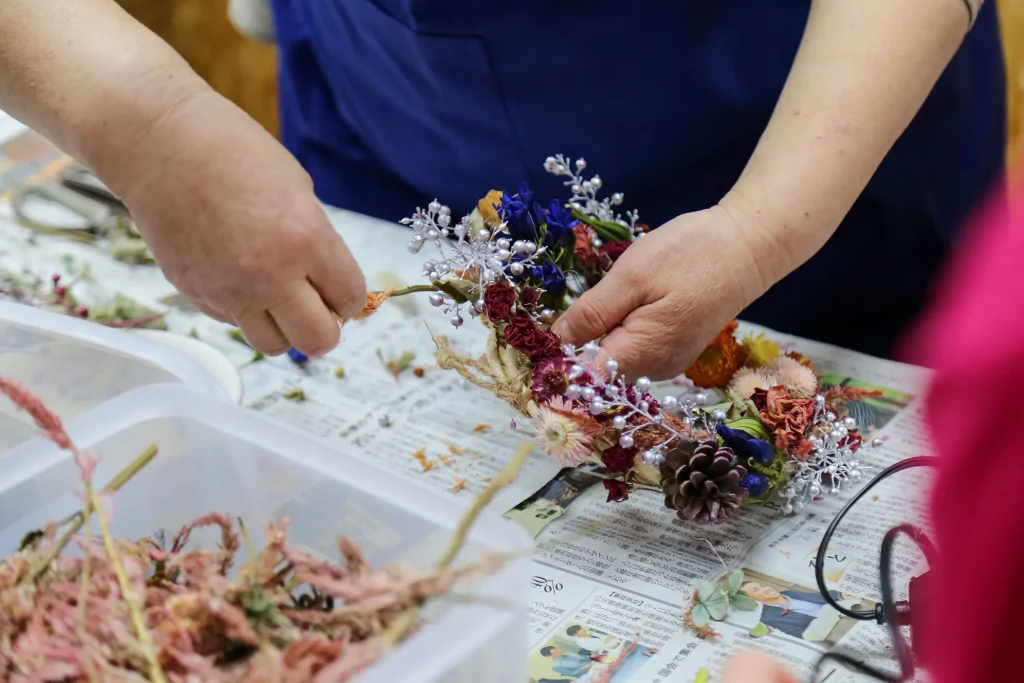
{"x": 79, "y": 191}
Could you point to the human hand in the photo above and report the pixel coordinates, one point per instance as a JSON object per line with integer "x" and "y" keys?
{"x": 669, "y": 294}
{"x": 232, "y": 221}
{"x": 754, "y": 667}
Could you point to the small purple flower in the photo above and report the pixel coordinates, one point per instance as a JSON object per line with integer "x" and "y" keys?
{"x": 747, "y": 446}
{"x": 298, "y": 357}
{"x": 549, "y": 278}
{"x": 515, "y": 213}
{"x": 560, "y": 223}
{"x": 755, "y": 483}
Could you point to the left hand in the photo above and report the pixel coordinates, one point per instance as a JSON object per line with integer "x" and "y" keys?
{"x": 754, "y": 667}
{"x": 671, "y": 292}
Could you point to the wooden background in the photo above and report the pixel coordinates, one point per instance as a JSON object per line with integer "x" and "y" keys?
{"x": 244, "y": 71}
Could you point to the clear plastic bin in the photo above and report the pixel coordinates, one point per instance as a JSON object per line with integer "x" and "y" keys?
{"x": 75, "y": 365}
{"x": 216, "y": 457}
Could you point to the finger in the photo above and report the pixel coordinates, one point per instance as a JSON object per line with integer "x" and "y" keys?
{"x": 642, "y": 345}
{"x": 338, "y": 278}
{"x": 262, "y": 333}
{"x": 754, "y": 667}
{"x": 207, "y": 309}
{"x": 599, "y": 310}
{"x": 306, "y": 322}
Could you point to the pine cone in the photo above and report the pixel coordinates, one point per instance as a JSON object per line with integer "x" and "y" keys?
{"x": 702, "y": 481}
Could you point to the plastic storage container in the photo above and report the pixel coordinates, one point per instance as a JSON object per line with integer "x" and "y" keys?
{"x": 75, "y": 365}
{"x": 216, "y": 457}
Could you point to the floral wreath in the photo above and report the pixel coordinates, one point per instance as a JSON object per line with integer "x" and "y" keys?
{"x": 515, "y": 265}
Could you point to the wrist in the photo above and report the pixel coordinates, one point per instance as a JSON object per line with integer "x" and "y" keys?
{"x": 126, "y": 129}
{"x": 770, "y": 254}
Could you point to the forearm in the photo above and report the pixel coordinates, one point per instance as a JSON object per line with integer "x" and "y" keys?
{"x": 90, "y": 78}
{"x": 863, "y": 70}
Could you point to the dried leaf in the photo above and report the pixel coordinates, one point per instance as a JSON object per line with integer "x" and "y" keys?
{"x": 759, "y": 631}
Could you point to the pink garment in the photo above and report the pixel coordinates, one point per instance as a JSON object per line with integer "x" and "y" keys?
{"x": 974, "y": 338}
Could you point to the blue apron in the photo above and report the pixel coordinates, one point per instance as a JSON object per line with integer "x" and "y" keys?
{"x": 391, "y": 103}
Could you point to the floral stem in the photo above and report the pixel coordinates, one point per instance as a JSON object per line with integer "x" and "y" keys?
{"x": 134, "y": 322}
{"x": 404, "y": 621}
{"x": 412, "y": 290}
{"x": 83, "y": 598}
{"x": 156, "y": 674}
{"x": 79, "y": 518}
{"x": 504, "y": 478}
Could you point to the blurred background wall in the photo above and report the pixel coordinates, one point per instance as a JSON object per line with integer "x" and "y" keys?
{"x": 244, "y": 70}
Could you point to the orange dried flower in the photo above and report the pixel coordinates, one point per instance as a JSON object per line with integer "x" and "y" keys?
{"x": 459, "y": 485}
{"x": 482, "y": 428}
{"x": 803, "y": 360}
{"x": 487, "y": 210}
{"x": 719, "y": 361}
{"x": 373, "y": 302}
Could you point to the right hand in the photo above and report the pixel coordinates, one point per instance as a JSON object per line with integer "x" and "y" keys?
{"x": 232, "y": 221}
{"x": 754, "y": 667}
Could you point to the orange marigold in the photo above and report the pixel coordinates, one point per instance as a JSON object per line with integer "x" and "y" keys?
{"x": 719, "y": 361}
{"x": 374, "y": 300}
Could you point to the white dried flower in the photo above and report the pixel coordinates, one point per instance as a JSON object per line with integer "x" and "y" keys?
{"x": 748, "y": 380}
{"x": 799, "y": 380}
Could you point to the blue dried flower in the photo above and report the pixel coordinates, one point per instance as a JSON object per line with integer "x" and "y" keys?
{"x": 298, "y": 357}
{"x": 560, "y": 223}
{"x": 515, "y": 213}
{"x": 756, "y": 484}
{"x": 747, "y": 446}
{"x": 550, "y": 278}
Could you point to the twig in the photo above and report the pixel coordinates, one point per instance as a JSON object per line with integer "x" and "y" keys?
{"x": 135, "y": 322}
{"x": 413, "y": 289}
{"x": 156, "y": 674}
{"x": 83, "y": 597}
{"x": 404, "y": 621}
{"x": 79, "y": 518}
{"x": 504, "y": 478}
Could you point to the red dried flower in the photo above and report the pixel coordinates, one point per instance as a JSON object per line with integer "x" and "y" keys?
{"x": 522, "y": 334}
{"x": 613, "y": 250}
{"x": 618, "y": 491}
{"x": 788, "y": 418}
{"x": 618, "y": 459}
{"x": 584, "y": 243}
{"x": 528, "y": 296}
{"x": 499, "y": 300}
{"x": 552, "y": 378}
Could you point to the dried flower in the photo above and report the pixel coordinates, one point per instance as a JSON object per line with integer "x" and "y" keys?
{"x": 551, "y": 378}
{"x": 560, "y": 223}
{"x": 565, "y": 432}
{"x": 618, "y": 491}
{"x": 756, "y": 484}
{"x": 757, "y": 350}
{"x": 719, "y": 362}
{"x": 549, "y": 278}
{"x": 374, "y": 300}
{"x": 297, "y": 357}
{"x": 515, "y": 213}
{"x": 748, "y": 380}
{"x": 525, "y": 336}
{"x": 746, "y": 446}
{"x": 499, "y": 301}
{"x": 800, "y": 381}
{"x": 617, "y": 459}
{"x": 803, "y": 360}
{"x": 585, "y": 243}
{"x": 613, "y": 250}
{"x": 488, "y": 208}
{"x": 788, "y": 418}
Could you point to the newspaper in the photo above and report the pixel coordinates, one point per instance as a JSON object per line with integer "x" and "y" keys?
{"x": 608, "y": 578}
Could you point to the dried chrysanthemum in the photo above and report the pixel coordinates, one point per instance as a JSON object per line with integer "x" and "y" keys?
{"x": 799, "y": 380}
{"x": 719, "y": 361}
{"x": 748, "y": 380}
{"x": 565, "y": 432}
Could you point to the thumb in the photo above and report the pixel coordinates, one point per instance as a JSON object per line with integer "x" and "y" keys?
{"x": 754, "y": 667}
{"x": 598, "y": 311}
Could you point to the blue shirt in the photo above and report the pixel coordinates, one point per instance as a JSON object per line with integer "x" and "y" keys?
{"x": 391, "y": 103}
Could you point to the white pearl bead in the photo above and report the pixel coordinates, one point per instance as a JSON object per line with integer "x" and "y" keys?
{"x": 701, "y": 398}
{"x": 612, "y": 365}
{"x": 815, "y": 490}
{"x": 670, "y": 403}
{"x": 457, "y": 321}
{"x": 516, "y": 269}
{"x": 718, "y": 415}
{"x": 588, "y": 394}
{"x": 433, "y": 207}
{"x": 596, "y": 406}
{"x": 850, "y": 423}
{"x": 652, "y": 458}
{"x": 436, "y": 300}
{"x": 876, "y": 443}
{"x": 619, "y": 422}
{"x": 643, "y": 385}
{"x": 575, "y": 370}
{"x": 626, "y": 441}
{"x": 573, "y": 392}
{"x": 547, "y": 316}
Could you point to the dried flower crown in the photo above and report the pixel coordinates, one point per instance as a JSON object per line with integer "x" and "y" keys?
{"x": 516, "y": 264}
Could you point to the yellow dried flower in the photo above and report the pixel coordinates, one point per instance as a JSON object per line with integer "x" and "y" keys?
{"x": 758, "y": 350}
{"x": 486, "y": 208}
